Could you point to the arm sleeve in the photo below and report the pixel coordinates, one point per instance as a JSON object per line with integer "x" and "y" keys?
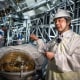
{"x": 42, "y": 47}
{"x": 74, "y": 59}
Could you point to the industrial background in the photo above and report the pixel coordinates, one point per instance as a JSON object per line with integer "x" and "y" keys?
{"x": 23, "y": 17}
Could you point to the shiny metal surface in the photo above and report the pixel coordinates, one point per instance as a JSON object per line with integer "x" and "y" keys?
{"x": 20, "y": 53}
{"x": 16, "y": 61}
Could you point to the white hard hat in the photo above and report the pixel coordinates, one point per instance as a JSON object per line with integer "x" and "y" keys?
{"x": 62, "y": 13}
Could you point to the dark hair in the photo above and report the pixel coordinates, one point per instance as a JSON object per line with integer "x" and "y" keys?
{"x": 68, "y": 19}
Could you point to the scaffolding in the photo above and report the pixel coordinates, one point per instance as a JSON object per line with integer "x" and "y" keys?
{"x": 42, "y": 24}
{"x": 44, "y": 27}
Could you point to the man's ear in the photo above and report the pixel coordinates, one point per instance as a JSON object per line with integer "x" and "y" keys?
{"x": 68, "y": 23}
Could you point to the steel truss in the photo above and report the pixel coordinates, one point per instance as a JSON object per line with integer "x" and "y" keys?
{"x": 43, "y": 25}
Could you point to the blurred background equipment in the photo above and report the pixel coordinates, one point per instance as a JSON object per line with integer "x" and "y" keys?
{"x": 20, "y": 62}
{"x": 35, "y": 16}
{"x": 16, "y": 61}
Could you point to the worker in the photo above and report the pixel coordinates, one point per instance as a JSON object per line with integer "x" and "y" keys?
{"x": 1, "y": 36}
{"x": 4, "y": 29}
{"x": 63, "y": 52}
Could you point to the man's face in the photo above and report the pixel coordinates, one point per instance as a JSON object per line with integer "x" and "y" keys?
{"x": 61, "y": 25}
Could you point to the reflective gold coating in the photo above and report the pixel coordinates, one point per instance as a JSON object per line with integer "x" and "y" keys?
{"x": 16, "y": 61}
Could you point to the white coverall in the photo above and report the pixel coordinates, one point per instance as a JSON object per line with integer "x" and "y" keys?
{"x": 66, "y": 63}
